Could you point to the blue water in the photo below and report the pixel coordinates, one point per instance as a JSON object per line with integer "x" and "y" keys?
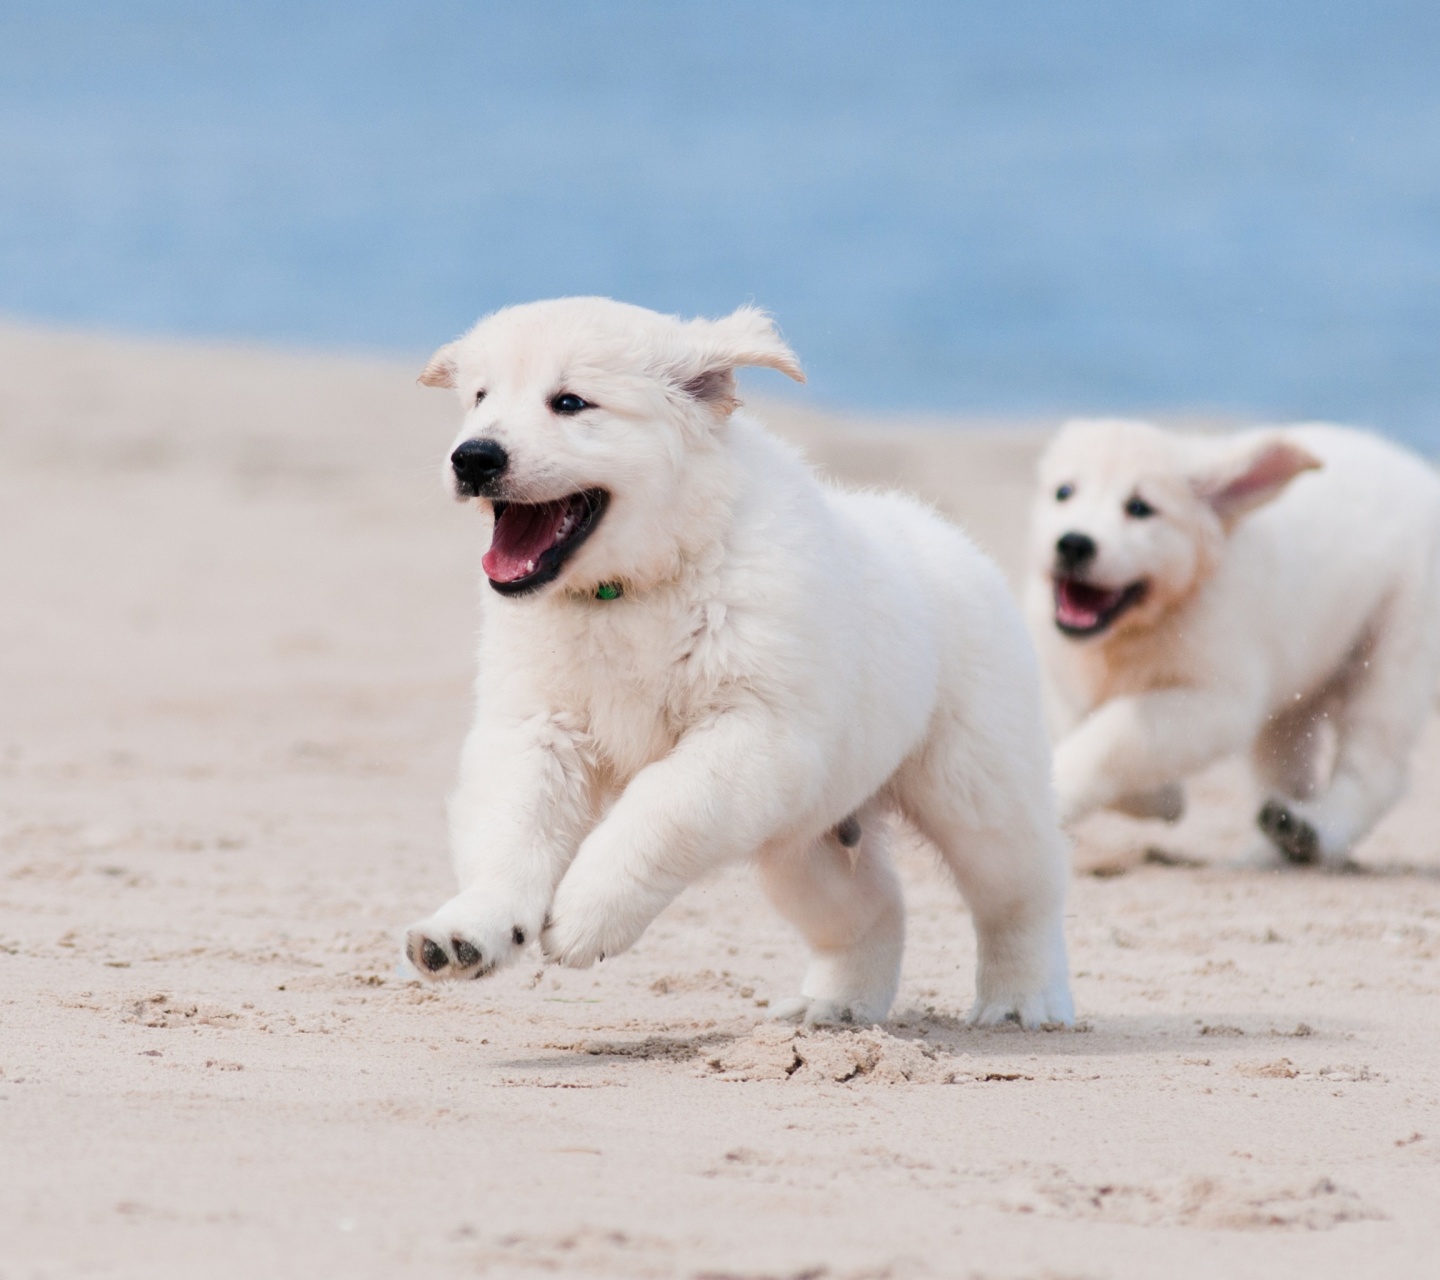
{"x": 954, "y": 206}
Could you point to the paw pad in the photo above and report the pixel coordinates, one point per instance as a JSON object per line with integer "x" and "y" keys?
{"x": 432, "y": 957}
{"x": 1293, "y": 836}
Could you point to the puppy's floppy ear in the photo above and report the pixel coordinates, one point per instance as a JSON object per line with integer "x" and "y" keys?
{"x": 1250, "y": 477}
{"x": 748, "y": 337}
{"x": 441, "y": 371}
{"x": 719, "y": 347}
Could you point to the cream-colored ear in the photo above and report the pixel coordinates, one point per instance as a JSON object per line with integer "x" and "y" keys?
{"x": 719, "y": 347}
{"x": 749, "y": 337}
{"x": 1252, "y": 476}
{"x": 441, "y": 371}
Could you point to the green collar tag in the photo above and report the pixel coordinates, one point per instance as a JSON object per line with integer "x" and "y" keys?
{"x": 609, "y": 591}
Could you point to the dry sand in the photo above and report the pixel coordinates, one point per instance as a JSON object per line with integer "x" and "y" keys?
{"x": 235, "y": 638}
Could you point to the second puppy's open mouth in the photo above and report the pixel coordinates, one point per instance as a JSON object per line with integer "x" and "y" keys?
{"x": 1085, "y": 610}
{"x": 532, "y": 540}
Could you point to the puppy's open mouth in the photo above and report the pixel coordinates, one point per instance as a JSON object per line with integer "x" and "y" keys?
{"x": 1085, "y": 610}
{"x": 532, "y": 540}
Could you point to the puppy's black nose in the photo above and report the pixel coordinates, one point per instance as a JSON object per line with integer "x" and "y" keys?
{"x": 477, "y": 464}
{"x": 1074, "y": 549}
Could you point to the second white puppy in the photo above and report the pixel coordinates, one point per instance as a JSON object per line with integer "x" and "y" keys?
{"x": 693, "y": 652}
{"x": 1194, "y": 597}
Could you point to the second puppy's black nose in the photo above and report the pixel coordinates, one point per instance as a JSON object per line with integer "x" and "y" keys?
{"x": 1074, "y": 549}
{"x": 477, "y": 464}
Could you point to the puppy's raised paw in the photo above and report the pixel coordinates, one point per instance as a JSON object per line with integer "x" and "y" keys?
{"x": 598, "y": 911}
{"x": 578, "y": 939}
{"x": 452, "y": 957}
{"x": 463, "y": 940}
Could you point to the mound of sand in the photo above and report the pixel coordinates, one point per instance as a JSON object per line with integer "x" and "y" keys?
{"x": 867, "y": 1055}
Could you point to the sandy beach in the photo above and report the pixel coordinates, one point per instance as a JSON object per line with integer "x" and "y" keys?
{"x": 236, "y": 645}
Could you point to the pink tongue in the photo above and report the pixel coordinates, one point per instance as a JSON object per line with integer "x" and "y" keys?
{"x": 1080, "y": 606}
{"x": 522, "y": 534}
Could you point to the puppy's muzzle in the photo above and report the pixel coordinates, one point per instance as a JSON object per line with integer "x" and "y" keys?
{"x": 1074, "y": 550}
{"x": 478, "y": 466}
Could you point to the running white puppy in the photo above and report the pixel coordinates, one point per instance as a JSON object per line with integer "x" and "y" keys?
{"x": 1194, "y": 597}
{"x": 693, "y": 652}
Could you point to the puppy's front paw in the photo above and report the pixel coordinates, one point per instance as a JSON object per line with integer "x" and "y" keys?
{"x": 1295, "y": 838}
{"x": 594, "y": 917}
{"x": 575, "y": 944}
{"x": 466, "y": 938}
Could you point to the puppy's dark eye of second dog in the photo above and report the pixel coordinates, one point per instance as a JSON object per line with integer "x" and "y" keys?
{"x": 1064, "y": 492}
{"x": 1139, "y": 509}
{"x": 479, "y": 396}
{"x": 568, "y": 402}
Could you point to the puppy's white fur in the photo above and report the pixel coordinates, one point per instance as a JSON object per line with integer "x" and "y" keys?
{"x": 784, "y": 655}
{"x": 1291, "y": 609}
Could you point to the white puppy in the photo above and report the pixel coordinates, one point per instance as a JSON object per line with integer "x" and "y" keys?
{"x": 692, "y": 652}
{"x": 1276, "y": 591}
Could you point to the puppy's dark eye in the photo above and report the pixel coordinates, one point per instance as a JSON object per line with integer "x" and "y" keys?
{"x": 567, "y": 402}
{"x": 1139, "y": 508}
{"x": 479, "y": 396}
{"x": 1064, "y": 492}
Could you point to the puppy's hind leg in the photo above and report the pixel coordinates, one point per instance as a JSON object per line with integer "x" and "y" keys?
{"x": 1381, "y": 708}
{"x": 840, "y": 891}
{"x": 1286, "y": 755}
{"x": 997, "y": 833}
{"x": 1287, "y": 759}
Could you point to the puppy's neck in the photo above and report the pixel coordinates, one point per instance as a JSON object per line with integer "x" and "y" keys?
{"x": 1138, "y": 659}
{"x": 685, "y": 540}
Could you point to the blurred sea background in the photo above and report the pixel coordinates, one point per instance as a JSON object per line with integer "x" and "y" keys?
{"x": 953, "y": 208}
